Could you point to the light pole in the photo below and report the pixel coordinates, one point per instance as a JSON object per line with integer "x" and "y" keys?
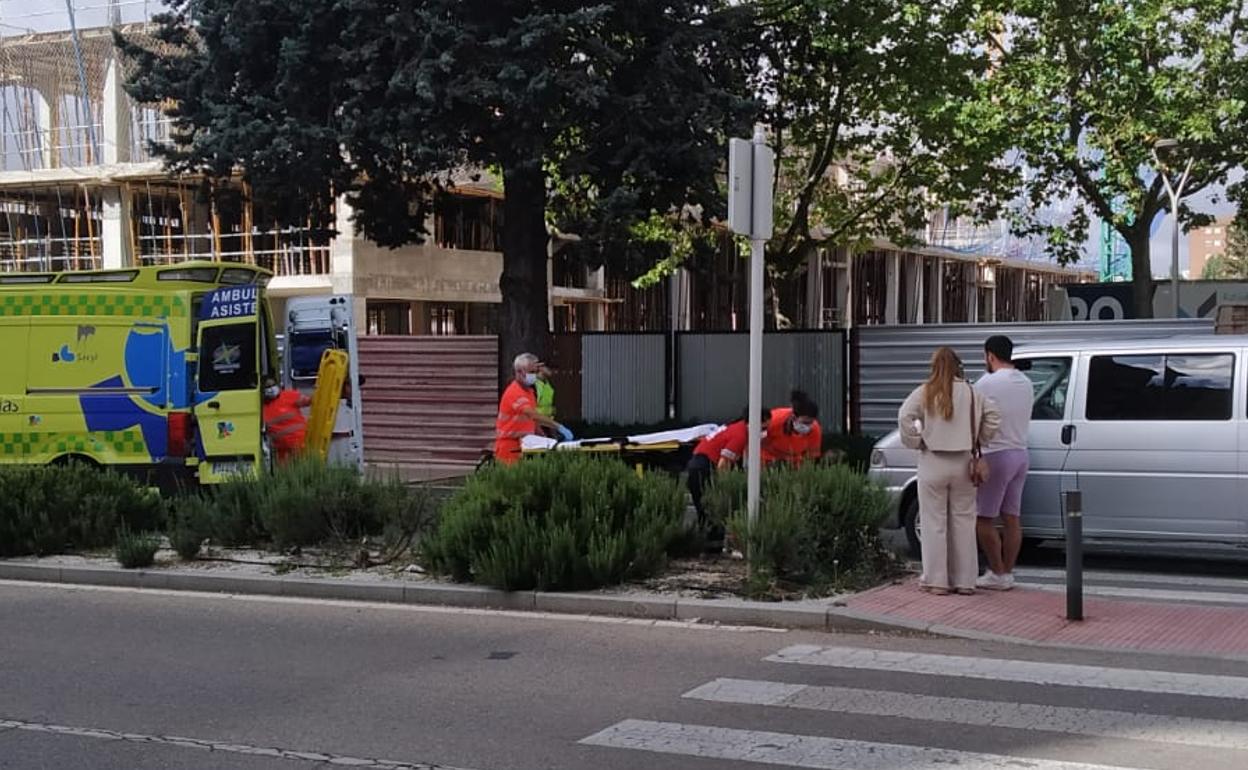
{"x": 1176, "y": 194}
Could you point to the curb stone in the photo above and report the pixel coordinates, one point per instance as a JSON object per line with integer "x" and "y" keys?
{"x": 822, "y": 615}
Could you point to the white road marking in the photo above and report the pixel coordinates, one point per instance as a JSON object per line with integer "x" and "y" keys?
{"x": 431, "y": 609}
{"x": 1018, "y": 671}
{"x": 1123, "y": 725}
{"x": 217, "y": 746}
{"x": 1095, "y": 576}
{"x": 770, "y": 748}
{"x": 1155, "y": 594}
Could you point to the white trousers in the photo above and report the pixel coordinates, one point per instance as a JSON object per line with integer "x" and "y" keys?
{"x": 947, "y": 520}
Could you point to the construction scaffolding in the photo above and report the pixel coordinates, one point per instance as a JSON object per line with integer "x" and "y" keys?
{"x": 80, "y": 187}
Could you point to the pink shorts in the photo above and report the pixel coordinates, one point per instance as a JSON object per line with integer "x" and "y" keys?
{"x": 1003, "y": 492}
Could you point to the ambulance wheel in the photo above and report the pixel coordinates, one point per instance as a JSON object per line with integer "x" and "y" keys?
{"x": 64, "y": 460}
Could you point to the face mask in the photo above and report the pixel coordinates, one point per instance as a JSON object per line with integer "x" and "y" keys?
{"x": 272, "y": 392}
{"x": 530, "y": 379}
{"x": 801, "y": 428}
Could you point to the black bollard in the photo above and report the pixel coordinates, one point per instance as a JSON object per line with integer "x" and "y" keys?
{"x": 1074, "y": 554}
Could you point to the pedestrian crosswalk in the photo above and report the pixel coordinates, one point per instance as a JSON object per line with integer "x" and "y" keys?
{"x": 1163, "y": 718}
{"x": 1190, "y": 589}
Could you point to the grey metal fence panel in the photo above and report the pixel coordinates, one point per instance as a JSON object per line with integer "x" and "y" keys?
{"x": 892, "y": 360}
{"x": 713, "y": 374}
{"x": 624, "y": 378}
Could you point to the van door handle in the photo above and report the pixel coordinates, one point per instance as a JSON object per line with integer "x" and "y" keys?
{"x": 1068, "y": 434}
{"x": 214, "y": 404}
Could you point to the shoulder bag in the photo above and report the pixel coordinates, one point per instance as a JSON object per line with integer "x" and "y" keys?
{"x": 978, "y": 466}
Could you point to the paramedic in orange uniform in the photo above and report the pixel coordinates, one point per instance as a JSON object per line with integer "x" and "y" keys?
{"x": 721, "y": 450}
{"x": 794, "y": 436}
{"x": 284, "y": 422}
{"x": 517, "y": 412}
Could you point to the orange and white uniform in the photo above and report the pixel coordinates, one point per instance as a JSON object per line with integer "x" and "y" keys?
{"x": 513, "y": 422}
{"x": 783, "y": 444}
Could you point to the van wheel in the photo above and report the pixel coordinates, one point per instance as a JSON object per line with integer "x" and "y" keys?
{"x": 910, "y": 522}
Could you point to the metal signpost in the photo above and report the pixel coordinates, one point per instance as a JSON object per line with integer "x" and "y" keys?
{"x": 751, "y": 165}
{"x": 1074, "y": 554}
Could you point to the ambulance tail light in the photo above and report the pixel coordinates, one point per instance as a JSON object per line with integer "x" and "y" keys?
{"x": 180, "y": 426}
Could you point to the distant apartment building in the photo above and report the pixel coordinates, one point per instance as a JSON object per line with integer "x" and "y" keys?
{"x": 1206, "y": 242}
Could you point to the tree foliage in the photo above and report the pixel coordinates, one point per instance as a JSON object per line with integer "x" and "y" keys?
{"x": 597, "y": 115}
{"x": 1082, "y": 90}
{"x": 866, "y": 104}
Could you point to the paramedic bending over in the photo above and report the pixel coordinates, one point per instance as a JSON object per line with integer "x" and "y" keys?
{"x": 794, "y": 435}
{"x": 721, "y": 450}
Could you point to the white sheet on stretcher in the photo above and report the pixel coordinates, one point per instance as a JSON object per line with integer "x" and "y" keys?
{"x": 683, "y": 436}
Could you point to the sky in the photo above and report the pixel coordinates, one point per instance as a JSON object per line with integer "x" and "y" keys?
{"x": 20, "y": 16}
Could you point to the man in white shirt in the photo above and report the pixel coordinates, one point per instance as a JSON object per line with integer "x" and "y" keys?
{"x": 1001, "y": 496}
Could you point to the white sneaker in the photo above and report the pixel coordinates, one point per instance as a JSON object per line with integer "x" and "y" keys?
{"x": 1009, "y": 581}
{"x": 990, "y": 581}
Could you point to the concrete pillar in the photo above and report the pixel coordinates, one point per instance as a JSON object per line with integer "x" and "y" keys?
{"x": 198, "y": 226}
{"x": 920, "y": 291}
{"x": 972, "y": 294}
{"x": 342, "y": 251}
{"x": 596, "y": 312}
{"x": 116, "y": 141}
{"x": 814, "y": 290}
{"x": 115, "y": 227}
{"x": 43, "y": 144}
{"x": 938, "y": 277}
{"x": 892, "y": 298}
{"x": 682, "y": 315}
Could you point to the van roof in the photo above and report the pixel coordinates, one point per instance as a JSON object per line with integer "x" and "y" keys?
{"x": 195, "y": 274}
{"x": 1078, "y": 345}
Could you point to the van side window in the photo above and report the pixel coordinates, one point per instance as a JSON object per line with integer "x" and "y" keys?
{"x": 1050, "y": 380}
{"x": 227, "y": 358}
{"x": 1187, "y": 386}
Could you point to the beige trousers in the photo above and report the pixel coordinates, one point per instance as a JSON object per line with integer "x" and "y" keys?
{"x": 947, "y": 520}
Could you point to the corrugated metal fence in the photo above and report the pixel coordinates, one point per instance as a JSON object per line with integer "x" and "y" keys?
{"x": 712, "y": 381}
{"x": 889, "y": 361}
{"x": 624, "y": 378}
{"x": 643, "y": 379}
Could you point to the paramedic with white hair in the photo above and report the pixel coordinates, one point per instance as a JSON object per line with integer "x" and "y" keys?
{"x": 517, "y": 411}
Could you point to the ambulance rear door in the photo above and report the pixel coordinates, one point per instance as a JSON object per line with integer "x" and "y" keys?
{"x": 314, "y": 325}
{"x": 228, "y": 405}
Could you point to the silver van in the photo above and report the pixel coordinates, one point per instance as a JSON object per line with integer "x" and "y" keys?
{"x": 1154, "y": 433}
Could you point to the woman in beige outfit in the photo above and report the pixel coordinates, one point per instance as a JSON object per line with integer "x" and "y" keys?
{"x": 940, "y": 419}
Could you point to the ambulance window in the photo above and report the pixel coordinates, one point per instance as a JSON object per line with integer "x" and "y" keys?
{"x": 227, "y": 358}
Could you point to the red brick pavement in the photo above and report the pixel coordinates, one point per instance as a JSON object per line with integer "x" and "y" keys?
{"x": 1039, "y": 616}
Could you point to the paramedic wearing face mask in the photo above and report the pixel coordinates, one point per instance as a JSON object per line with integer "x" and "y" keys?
{"x": 518, "y": 415}
{"x": 723, "y": 449}
{"x": 794, "y": 435}
{"x": 284, "y": 423}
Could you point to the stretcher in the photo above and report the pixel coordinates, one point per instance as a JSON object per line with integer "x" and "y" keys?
{"x": 321, "y": 415}
{"x": 666, "y": 450}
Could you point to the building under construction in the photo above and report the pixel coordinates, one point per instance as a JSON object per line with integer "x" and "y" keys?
{"x": 80, "y": 189}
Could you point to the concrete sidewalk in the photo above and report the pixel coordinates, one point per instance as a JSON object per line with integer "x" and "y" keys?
{"x": 1039, "y": 617}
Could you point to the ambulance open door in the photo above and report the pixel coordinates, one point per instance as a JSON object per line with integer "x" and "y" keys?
{"x": 312, "y": 326}
{"x": 227, "y": 404}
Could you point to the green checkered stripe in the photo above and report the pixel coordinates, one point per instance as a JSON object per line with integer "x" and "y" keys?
{"x": 120, "y": 304}
{"x": 122, "y": 442}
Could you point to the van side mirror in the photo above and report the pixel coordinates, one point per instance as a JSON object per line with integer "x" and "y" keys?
{"x": 1023, "y": 366}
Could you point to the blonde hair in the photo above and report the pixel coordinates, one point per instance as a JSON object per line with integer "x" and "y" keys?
{"x": 938, "y": 390}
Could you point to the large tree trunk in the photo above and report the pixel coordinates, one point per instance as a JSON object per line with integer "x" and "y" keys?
{"x": 1141, "y": 273}
{"x": 524, "y": 325}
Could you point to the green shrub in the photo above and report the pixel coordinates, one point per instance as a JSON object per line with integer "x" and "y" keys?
{"x": 46, "y": 509}
{"x": 135, "y": 550}
{"x": 306, "y": 502}
{"x": 817, "y": 525}
{"x": 563, "y": 521}
{"x": 190, "y": 522}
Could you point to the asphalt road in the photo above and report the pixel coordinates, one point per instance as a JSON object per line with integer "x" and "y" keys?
{"x": 113, "y": 678}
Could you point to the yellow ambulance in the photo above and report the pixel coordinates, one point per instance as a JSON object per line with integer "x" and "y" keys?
{"x": 156, "y": 371}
